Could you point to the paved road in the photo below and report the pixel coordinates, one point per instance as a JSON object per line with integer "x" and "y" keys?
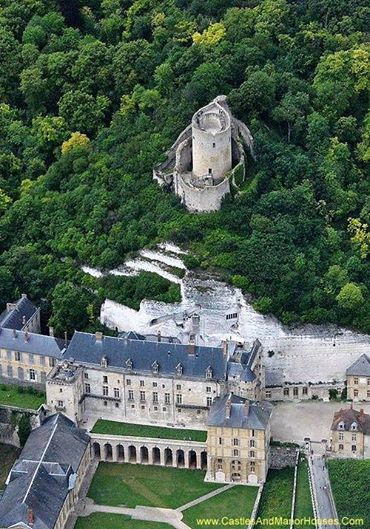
{"x": 205, "y": 497}
{"x": 324, "y": 499}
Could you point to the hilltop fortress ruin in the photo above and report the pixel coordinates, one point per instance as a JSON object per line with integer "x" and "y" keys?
{"x": 207, "y": 158}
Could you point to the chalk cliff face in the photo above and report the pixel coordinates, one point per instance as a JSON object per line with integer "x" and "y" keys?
{"x": 201, "y": 164}
{"x": 215, "y": 311}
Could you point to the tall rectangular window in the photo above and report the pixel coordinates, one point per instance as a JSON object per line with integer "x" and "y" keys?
{"x": 32, "y": 374}
{"x": 116, "y": 393}
{"x": 167, "y": 398}
{"x": 105, "y": 391}
{"x": 178, "y": 398}
{"x": 130, "y": 394}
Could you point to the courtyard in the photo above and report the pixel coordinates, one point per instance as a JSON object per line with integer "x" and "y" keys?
{"x": 150, "y": 497}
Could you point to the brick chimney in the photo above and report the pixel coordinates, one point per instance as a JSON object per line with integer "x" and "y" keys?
{"x": 30, "y": 517}
{"x": 99, "y": 336}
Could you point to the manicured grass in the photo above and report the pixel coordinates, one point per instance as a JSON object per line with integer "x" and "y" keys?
{"x": 8, "y": 454}
{"x": 101, "y": 520}
{"x": 276, "y": 497}
{"x": 21, "y": 397}
{"x": 131, "y": 485}
{"x": 303, "y": 505}
{"x": 350, "y": 482}
{"x": 141, "y": 430}
{"x": 232, "y": 504}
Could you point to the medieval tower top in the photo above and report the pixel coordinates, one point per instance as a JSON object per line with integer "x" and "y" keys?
{"x": 202, "y": 163}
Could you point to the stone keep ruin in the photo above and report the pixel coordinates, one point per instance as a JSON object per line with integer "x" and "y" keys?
{"x": 207, "y": 158}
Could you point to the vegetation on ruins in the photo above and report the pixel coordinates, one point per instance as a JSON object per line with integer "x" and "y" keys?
{"x": 92, "y": 92}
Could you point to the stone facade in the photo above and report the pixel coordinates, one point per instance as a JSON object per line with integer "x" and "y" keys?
{"x": 174, "y": 387}
{"x": 27, "y": 357}
{"x": 199, "y": 166}
{"x": 292, "y": 392}
{"x": 238, "y": 441}
{"x": 350, "y": 434}
{"x": 358, "y": 379}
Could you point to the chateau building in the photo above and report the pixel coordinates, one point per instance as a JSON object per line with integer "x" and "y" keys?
{"x": 162, "y": 382}
{"x": 43, "y": 485}
{"x": 28, "y": 357}
{"x": 206, "y": 158}
{"x": 358, "y": 379}
{"x": 238, "y": 441}
{"x": 21, "y": 315}
{"x": 350, "y": 434}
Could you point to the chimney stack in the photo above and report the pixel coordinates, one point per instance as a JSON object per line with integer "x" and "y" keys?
{"x": 24, "y": 320}
{"x": 24, "y": 296}
{"x": 65, "y": 339}
{"x": 30, "y": 517}
{"x": 159, "y": 336}
{"x": 51, "y": 331}
{"x": 228, "y": 408}
{"x": 99, "y": 336}
{"x": 246, "y": 408}
{"x": 26, "y": 336}
{"x": 225, "y": 347}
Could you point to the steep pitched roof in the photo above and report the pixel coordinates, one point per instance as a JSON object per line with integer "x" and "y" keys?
{"x": 18, "y": 315}
{"x": 27, "y": 342}
{"x": 349, "y": 416}
{"x": 231, "y": 411}
{"x": 194, "y": 359}
{"x": 41, "y": 478}
{"x": 360, "y": 367}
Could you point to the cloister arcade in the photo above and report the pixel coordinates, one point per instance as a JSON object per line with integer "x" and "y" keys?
{"x": 141, "y": 452}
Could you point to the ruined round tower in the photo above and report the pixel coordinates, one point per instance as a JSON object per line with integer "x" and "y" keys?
{"x": 202, "y": 163}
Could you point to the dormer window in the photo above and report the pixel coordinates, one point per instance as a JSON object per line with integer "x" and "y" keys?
{"x": 354, "y": 426}
{"x": 155, "y": 367}
{"x": 341, "y": 426}
{"x": 104, "y": 362}
{"x": 129, "y": 364}
{"x": 209, "y": 372}
{"x": 179, "y": 370}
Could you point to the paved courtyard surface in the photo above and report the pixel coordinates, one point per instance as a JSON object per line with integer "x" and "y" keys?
{"x": 292, "y": 422}
{"x": 324, "y": 499}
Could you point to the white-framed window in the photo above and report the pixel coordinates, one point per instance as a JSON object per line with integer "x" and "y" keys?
{"x": 208, "y": 389}
{"x": 155, "y": 397}
{"x": 142, "y": 396}
{"x": 209, "y": 401}
{"x": 116, "y": 393}
{"x": 178, "y": 398}
{"x": 167, "y": 398}
{"x": 142, "y": 383}
{"x": 252, "y": 453}
{"x": 236, "y": 452}
{"x": 130, "y": 394}
{"x": 17, "y": 356}
{"x": 32, "y": 374}
{"x": 105, "y": 391}
{"x": 87, "y": 388}
{"x": 235, "y": 441}
{"x": 60, "y": 403}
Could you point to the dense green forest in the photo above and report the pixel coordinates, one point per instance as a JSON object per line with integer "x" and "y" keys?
{"x": 93, "y": 92}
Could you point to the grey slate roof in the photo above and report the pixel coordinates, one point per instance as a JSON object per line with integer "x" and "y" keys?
{"x": 243, "y": 413}
{"x": 360, "y": 367}
{"x": 31, "y": 343}
{"x": 41, "y": 477}
{"x": 348, "y": 417}
{"x": 24, "y": 309}
{"x": 244, "y": 368}
{"x": 85, "y": 348}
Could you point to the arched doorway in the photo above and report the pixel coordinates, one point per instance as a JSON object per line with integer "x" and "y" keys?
{"x": 156, "y": 456}
{"x": 144, "y": 454}
{"x": 180, "y": 458}
{"x": 203, "y": 460}
{"x": 108, "y": 452}
{"x": 132, "y": 454}
{"x": 120, "y": 453}
{"x": 168, "y": 460}
{"x": 96, "y": 449}
{"x": 192, "y": 459}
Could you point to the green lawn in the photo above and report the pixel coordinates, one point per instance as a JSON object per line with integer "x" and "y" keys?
{"x": 8, "y": 454}
{"x": 350, "y": 482}
{"x": 154, "y": 486}
{"x": 140, "y": 430}
{"x": 100, "y": 520}
{"x": 276, "y": 497}
{"x": 21, "y": 397}
{"x": 303, "y": 505}
{"x": 232, "y": 504}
